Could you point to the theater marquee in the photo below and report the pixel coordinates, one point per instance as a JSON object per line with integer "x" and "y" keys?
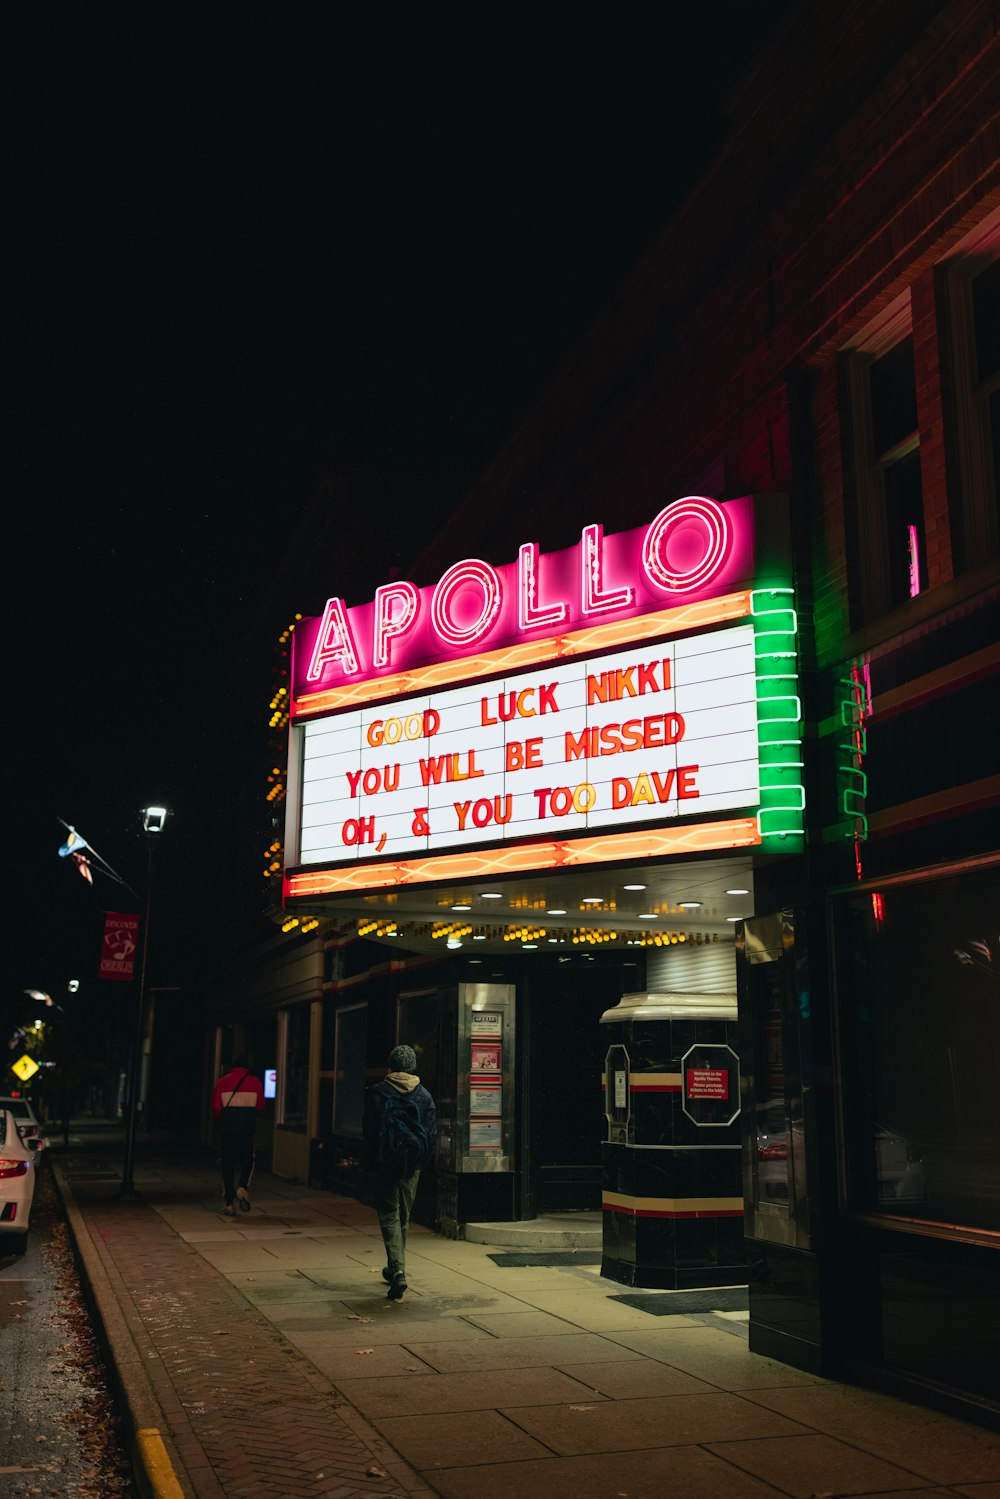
{"x": 619, "y": 700}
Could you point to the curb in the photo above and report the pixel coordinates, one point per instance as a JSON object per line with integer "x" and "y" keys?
{"x": 155, "y": 1469}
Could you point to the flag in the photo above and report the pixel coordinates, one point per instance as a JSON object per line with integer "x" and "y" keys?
{"x": 83, "y": 865}
{"x": 75, "y": 844}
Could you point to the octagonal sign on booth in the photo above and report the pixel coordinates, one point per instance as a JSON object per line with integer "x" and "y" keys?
{"x": 711, "y": 1085}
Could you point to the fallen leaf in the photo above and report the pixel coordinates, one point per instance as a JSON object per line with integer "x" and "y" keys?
{"x": 356, "y": 1317}
{"x": 375, "y": 1472}
{"x": 412, "y": 1368}
{"x": 364, "y": 1350}
{"x": 583, "y": 1407}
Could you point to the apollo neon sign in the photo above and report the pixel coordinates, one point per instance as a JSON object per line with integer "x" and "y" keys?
{"x": 694, "y": 548}
{"x": 634, "y": 696}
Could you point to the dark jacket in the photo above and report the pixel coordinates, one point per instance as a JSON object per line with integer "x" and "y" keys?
{"x": 396, "y": 1085}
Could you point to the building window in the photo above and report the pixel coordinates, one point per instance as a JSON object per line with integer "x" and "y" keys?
{"x": 882, "y": 468}
{"x": 968, "y": 299}
{"x": 349, "y": 1068}
{"x": 294, "y": 1029}
{"x": 919, "y": 1025}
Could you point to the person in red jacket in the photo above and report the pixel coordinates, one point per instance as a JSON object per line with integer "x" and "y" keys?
{"x": 237, "y": 1099}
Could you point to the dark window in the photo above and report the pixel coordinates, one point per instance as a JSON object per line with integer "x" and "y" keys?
{"x": 917, "y": 986}
{"x": 882, "y": 458}
{"x": 894, "y": 398}
{"x": 350, "y": 1069}
{"x": 296, "y": 1062}
{"x": 986, "y": 321}
{"x": 904, "y": 526}
{"x": 986, "y": 316}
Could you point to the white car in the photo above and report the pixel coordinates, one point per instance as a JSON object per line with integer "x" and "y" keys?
{"x": 17, "y": 1185}
{"x": 26, "y": 1120}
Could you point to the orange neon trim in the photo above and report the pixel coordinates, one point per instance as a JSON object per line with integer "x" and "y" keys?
{"x": 676, "y": 621}
{"x": 653, "y": 843}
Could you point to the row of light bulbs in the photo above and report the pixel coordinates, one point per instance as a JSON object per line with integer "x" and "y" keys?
{"x": 307, "y": 924}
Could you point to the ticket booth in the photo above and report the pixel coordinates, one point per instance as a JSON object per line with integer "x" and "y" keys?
{"x": 672, "y": 1192}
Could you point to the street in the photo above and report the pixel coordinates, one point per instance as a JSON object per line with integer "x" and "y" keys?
{"x": 59, "y": 1435}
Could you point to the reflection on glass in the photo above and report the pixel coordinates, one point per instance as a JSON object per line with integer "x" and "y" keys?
{"x": 919, "y": 998}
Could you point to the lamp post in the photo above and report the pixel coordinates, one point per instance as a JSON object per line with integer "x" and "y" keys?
{"x": 153, "y": 819}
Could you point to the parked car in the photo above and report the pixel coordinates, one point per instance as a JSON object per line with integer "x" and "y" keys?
{"x": 772, "y": 1153}
{"x": 17, "y": 1185}
{"x": 900, "y": 1171}
{"x": 28, "y": 1126}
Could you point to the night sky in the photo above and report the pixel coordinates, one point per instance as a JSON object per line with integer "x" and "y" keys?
{"x": 252, "y": 248}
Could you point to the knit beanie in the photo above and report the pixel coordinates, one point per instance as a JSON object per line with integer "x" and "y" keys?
{"x": 402, "y": 1059}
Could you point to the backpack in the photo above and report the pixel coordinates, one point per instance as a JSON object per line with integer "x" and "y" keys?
{"x": 401, "y": 1146}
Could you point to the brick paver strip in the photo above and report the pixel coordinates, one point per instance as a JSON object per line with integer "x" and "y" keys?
{"x": 243, "y": 1410}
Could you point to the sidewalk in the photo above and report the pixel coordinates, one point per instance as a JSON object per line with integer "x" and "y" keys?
{"x": 259, "y": 1356}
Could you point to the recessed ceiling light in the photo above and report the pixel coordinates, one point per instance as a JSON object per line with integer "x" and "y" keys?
{"x": 453, "y": 942}
{"x": 593, "y": 900}
{"x": 475, "y": 960}
{"x": 735, "y": 918}
{"x": 479, "y": 937}
{"x": 528, "y": 946}
{"x": 553, "y": 939}
{"x": 633, "y": 887}
{"x": 685, "y": 905}
{"x": 737, "y": 892}
{"x": 647, "y": 915}
{"x": 461, "y": 908}
{"x": 556, "y": 911}
{"x": 490, "y": 895}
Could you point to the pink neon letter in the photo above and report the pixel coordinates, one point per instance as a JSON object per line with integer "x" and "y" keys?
{"x": 528, "y": 611}
{"x": 387, "y": 623}
{"x": 334, "y": 642}
{"x": 593, "y": 599}
{"x": 482, "y": 576}
{"x": 697, "y": 514}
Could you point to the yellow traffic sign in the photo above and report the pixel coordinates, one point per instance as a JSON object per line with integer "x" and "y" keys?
{"x": 25, "y": 1067}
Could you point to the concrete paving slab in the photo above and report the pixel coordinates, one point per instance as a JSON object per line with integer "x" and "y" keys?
{"x": 374, "y": 1361}
{"x": 711, "y": 1354}
{"x": 662, "y": 1421}
{"x": 807, "y": 1465}
{"x": 521, "y": 1324}
{"x": 599, "y": 1315}
{"x": 938, "y": 1447}
{"x": 236, "y": 1255}
{"x": 481, "y": 1351}
{"x": 457, "y": 1393}
{"x": 435, "y": 1442}
{"x": 690, "y": 1472}
{"x": 636, "y": 1378}
{"x": 387, "y": 1329}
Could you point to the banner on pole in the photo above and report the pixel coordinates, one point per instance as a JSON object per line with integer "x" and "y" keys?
{"x": 118, "y": 948}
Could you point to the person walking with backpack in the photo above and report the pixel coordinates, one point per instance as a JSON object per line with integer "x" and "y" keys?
{"x": 399, "y": 1131}
{"x": 237, "y": 1099}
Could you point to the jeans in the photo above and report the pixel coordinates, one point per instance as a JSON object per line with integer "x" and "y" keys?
{"x": 237, "y": 1155}
{"x": 393, "y": 1197}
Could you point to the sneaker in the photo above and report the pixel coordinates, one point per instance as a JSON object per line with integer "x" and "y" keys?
{"x": 397, "y": 1286}
{"x": 241, "y": 1193}
{"x": 229, "y": 1210}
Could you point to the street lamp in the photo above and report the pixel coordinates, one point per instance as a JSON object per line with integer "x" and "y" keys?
{"x": 153, "y": 819}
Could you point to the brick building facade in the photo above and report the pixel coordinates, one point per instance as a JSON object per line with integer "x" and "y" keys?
{"x": 818, "y": 321}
